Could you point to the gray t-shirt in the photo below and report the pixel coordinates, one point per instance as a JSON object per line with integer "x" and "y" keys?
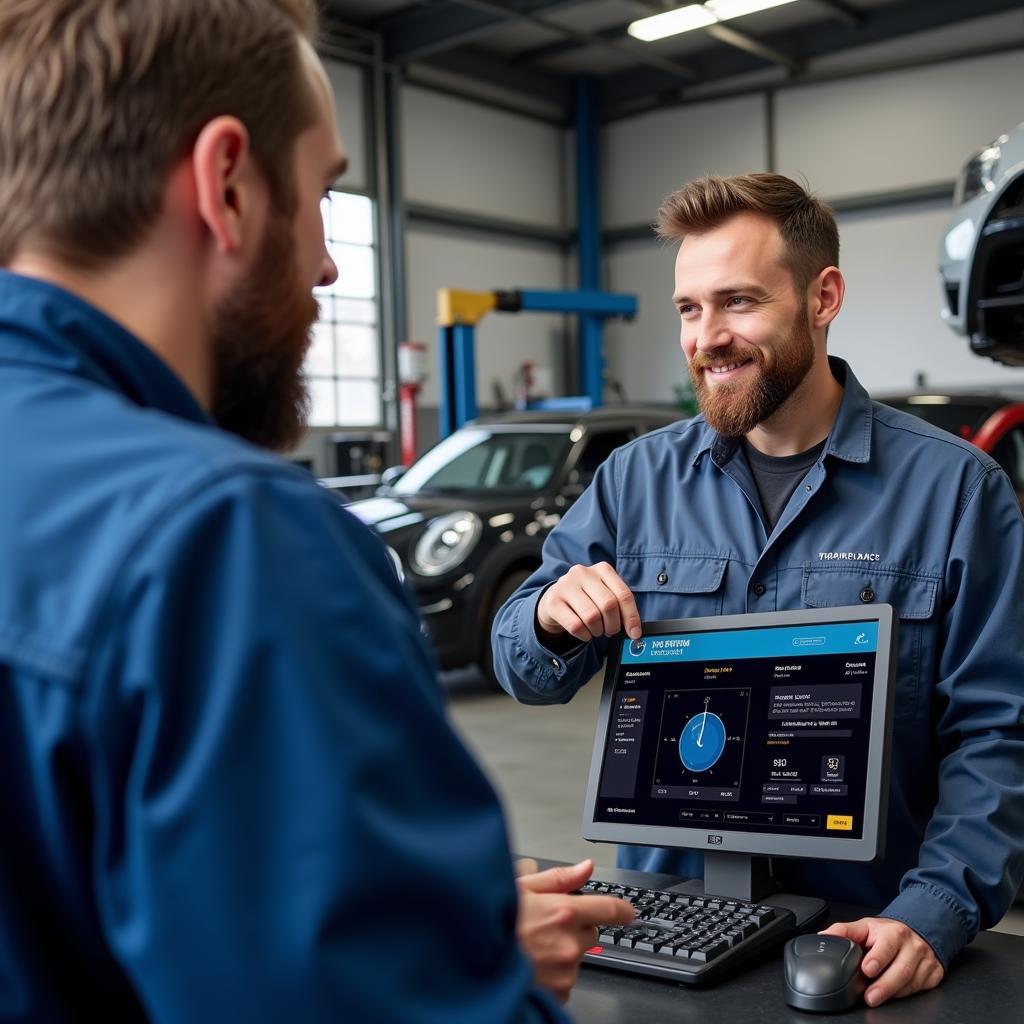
{"x": 777, "y": 477}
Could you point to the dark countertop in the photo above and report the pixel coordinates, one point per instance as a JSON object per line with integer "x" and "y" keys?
{"x": 985, "y": 985}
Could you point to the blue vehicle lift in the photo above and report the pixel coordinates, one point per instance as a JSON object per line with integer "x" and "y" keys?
{"x": 460, "y": 311}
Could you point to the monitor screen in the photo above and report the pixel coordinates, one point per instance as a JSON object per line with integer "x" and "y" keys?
{"x": 753, "y": 733}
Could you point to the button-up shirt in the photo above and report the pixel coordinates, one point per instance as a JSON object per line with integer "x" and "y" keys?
{"x": 229, "y": 789}
{"x": 893, "y": 511}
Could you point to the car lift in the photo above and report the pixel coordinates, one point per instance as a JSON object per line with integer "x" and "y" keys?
{"x": 458, "y": 313}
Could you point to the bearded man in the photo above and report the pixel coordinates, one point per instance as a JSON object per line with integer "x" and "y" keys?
{"x": 230, "y": 791}
{"x": 792, "y": 489}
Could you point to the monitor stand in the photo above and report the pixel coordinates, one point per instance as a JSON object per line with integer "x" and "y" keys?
{"x": 743, "y": 877}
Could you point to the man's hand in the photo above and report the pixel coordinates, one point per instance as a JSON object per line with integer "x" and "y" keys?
{"x": 555, "y": 928}
{"x": 589, "y": 601}
{"x": 896, "y": 957}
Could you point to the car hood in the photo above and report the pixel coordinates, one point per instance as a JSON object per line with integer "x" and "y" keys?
{"x": 394, "y": 513}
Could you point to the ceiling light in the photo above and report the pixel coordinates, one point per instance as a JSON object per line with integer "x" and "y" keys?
{"x": 694, "y": 16}
{"x": 683, "y": 19}
{"x": 726, "y": 9}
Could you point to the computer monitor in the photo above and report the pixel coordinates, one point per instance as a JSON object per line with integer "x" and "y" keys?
{"x": 748, "y": 736}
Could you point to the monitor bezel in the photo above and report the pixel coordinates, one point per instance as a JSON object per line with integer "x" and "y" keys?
{"x": 868, "y": 848}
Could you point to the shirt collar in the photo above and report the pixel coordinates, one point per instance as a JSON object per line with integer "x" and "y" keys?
{"x": 44, "y": 325}
{"x": 849, "y": 439}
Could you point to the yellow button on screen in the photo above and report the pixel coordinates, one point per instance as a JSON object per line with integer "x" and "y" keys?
{"x": 840, "y": 822}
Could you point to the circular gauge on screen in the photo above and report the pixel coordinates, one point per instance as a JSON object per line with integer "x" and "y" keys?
{"x": 702, "y": 741}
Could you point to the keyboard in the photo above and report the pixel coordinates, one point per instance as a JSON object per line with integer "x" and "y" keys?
{"x": 690, "y": 939}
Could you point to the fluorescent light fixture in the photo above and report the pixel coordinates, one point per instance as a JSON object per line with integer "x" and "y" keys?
{"x": 726, "y": 9}
{"x": 694, "y": 16}
{"x": 671, "y": 23}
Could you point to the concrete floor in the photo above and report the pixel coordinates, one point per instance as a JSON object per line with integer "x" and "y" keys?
{"x": 538, "y": 758}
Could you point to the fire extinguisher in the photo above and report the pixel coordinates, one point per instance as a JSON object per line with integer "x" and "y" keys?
{"x": 412, "y": 372}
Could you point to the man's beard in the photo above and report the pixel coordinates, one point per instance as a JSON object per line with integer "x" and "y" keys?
{"x": 734, "y": 409}
{"x": 261, "y": 336}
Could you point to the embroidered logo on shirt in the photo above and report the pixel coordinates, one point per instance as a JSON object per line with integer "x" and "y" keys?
{"x": 849, "y": 556}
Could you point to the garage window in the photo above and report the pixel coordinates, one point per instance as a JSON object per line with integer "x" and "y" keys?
{"x": 343, "y": 364}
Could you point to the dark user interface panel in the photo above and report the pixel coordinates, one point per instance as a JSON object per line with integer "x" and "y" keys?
{"x": 750, "y": 730}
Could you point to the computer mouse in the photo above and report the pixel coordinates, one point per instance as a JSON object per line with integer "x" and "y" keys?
{"x": 823, "y": 974}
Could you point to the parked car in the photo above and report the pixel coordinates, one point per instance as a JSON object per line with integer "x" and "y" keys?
{"x": 981, "y": 258}
{"x": 466, "y": 522}
{"x": 992, "y": 421}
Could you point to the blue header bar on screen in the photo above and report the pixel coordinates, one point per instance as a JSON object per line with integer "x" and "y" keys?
{"x": 772, "y": 642}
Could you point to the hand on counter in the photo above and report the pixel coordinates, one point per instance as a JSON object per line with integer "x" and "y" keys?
{"x": 897, "y": 961}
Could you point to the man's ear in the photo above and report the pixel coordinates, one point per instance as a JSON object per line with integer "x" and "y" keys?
{"x": 222, "y": 167}
{"x": 825, "y": 297}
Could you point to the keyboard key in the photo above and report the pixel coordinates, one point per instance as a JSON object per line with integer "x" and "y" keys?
{"x": 713, "y": 949}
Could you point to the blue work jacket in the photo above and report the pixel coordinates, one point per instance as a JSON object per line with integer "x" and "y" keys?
{"x": 927, "y": 522}
{"x": 229, "y": 788}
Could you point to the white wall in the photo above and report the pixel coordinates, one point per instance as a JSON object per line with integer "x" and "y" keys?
{"x": 889, "y": 329}
{"x": 644, "y": 355}
{"x": 349, "y": 87}
{"x": 900, "y": 129}
{"x": 647, "y": 157}
{"x": 475, "y": 159}
{"x": 854, "y": 137}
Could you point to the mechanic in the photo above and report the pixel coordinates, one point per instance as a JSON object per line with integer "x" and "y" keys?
{"x": 792, "y": 489}
{"x": 230, "y": 791}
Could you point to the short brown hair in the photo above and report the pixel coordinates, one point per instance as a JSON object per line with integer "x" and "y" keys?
{"x": 807, "y": 225}
{"x": 99, "y": 98}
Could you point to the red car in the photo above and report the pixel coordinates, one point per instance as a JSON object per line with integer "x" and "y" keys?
{"x": 992, "y": 421}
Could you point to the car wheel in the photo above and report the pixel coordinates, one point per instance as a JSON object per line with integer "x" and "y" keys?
{"x": 504, "y": 590}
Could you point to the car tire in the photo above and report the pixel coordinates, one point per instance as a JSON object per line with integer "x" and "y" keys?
{"x": 502, "y": 592}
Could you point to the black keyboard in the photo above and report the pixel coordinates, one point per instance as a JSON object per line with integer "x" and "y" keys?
{"x": 692, "y": 939}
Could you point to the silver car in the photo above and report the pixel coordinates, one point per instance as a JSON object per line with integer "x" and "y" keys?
{"x": 981, "y": 258}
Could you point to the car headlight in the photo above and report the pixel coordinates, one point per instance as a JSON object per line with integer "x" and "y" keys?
{"x": 446, "y": 542}
{"x": 977, "y": 176}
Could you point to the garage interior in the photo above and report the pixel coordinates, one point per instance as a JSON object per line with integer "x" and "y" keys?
{"x": 556, "y": 425}
{"x": 462, "y": 119}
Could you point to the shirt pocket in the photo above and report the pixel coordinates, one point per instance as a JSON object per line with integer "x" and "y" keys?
{"x": 913, "y": 596}
{"x": 680, "y": 586}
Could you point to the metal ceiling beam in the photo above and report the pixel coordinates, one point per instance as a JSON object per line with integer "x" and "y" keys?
{"x": 722, "y": 32}
{"x": 538, "y": 54}
{"x": 841, "y": 11}
{"x": 418, "y": 32}
{"x": 629, "y": 91}
{"x": 636, "y": 50}
{"x": 748, "y": 44}
{"x": 474, "y": 65}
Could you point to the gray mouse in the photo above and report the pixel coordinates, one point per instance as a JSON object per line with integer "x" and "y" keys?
{"x": 823, "y": 974}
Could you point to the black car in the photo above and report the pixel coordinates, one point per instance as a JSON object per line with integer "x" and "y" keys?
{"x": 466, "y": 522}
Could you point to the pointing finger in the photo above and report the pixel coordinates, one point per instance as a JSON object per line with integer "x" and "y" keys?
{"x": 562, "y": 879}
{"x": 598, "y": 910}
{"x": 628, "y": 611}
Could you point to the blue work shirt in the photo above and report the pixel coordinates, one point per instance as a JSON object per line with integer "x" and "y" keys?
{"x": 229, "y": 788}
{"x": 893, "y": 506}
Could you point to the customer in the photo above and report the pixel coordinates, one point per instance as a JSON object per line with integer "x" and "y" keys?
{"x": 230, "y": 791}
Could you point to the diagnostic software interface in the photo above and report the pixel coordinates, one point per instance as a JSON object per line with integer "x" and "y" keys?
{"x": 762, "y": 730}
